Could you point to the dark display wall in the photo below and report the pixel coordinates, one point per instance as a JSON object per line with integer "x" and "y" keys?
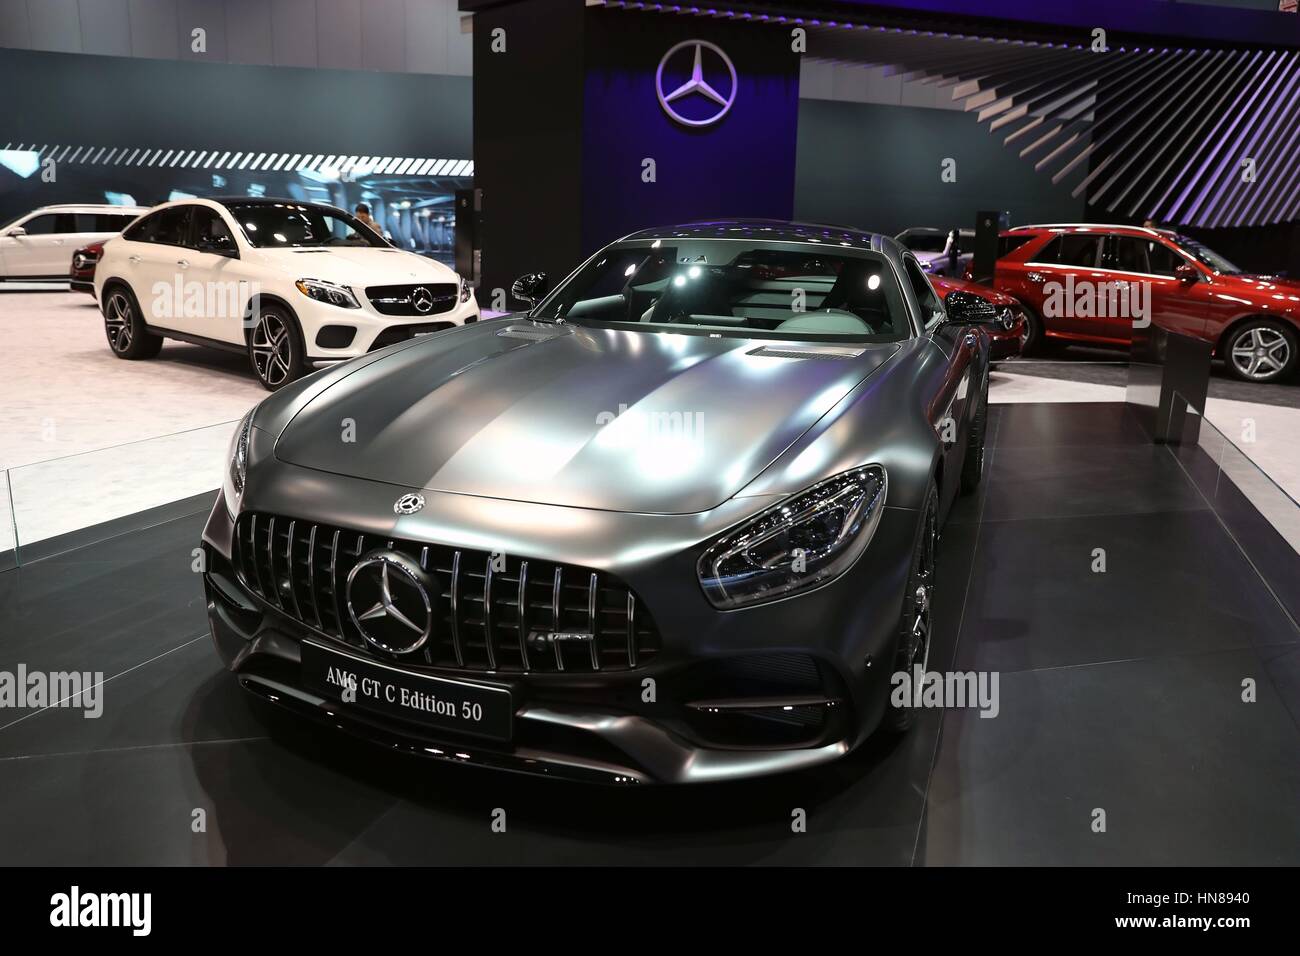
{"x": 566, "y": 117}
{"x": 104, "y": 118}
{"x": 879, "y": 167}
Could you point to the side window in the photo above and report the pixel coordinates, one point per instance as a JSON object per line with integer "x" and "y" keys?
{"x": 51, "y": 224}
{"x": 1006, "y": 244}
{"x": 142, "y": 231}
{"x": 172, "y": 225}
{"x": 1162, "y": 260}
{"x": 1126, "y": 254}
{"x": 102, "y": 221}
{"x": 209, "y": 231}
{"x": 1079, "y": 249}
{"x": 932, "y": 311}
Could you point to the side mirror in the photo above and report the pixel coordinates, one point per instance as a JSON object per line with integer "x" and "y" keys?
{"x": 967, "y": 308}
{"x": 1186, "y": 272}
{"x": 17, "y": 232}
{"x": 530, "y": 288}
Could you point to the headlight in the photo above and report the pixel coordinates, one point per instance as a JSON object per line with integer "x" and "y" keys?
{"x": 466, "y": 290}
{"x": 237, "y": 471}
{"x": 328, "y": 292}
{"x": 801, "y": 543}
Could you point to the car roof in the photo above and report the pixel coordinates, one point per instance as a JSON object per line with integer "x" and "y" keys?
{"x": 769, "y": 230}
{"x": 90, "y": 207}
{"x": 225, "y": 202}
{"x": 1075, "y": 227}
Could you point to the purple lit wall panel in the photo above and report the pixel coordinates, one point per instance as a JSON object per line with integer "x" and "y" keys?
{"x": 744, "y": 165}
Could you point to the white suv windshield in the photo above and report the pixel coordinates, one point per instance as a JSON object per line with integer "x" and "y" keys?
{"x": 273, "y": 225}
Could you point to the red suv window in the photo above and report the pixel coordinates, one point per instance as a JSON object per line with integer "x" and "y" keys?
{"x": 1072, "y": 249}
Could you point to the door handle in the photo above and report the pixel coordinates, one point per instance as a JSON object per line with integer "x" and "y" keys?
{"x": 132, "y": 258}
{"x": 183, "y": 263}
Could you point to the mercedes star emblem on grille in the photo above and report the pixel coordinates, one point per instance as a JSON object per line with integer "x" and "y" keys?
{"x": 421, "y": 299}
{"x": 408, "y": 504}
{"x": 389, "y": 601}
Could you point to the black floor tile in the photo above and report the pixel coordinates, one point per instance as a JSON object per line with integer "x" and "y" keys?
{"x": 1067, "y": 423}
{"x": 1174, "y": 584}
{"x": 1040, "y": 481}
{"x": 1186, "y": 772}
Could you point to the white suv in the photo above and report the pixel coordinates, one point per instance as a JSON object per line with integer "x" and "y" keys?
{"x": 40, "y": 244}
{"x": 294, "y": 285}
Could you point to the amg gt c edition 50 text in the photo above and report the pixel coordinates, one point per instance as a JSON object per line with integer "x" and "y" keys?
{"x": 675, "y": 523}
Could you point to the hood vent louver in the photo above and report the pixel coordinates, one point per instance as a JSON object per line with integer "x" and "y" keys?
{"x": 825, "y": 352}
{"x": 531, "y": 333}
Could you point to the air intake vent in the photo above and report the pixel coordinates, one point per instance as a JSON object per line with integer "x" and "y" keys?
{"x": 532, "y": 334}
{"x": 829, "y": 352}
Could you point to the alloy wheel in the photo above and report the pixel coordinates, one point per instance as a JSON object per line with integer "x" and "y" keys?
{"x": 916, "y": 650}
{"x": 117, "y": 322}
{"x": 1261, "y": 353}
{"x": 272, "y": 349}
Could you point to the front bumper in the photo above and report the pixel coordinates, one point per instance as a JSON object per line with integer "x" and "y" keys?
{"x": 705, "y": 723}
{"x": 334, "y": 335}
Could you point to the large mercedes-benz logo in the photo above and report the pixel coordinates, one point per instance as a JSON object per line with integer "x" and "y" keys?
{"x": 389, "y": 601}
{"x": 697, "y": 84}
{"x": 421, "y": 299}
{"x": 408, "y": 504}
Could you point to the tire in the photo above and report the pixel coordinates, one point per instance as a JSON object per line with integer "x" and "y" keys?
{"x": 1261, "y": 350}
{"x": 915, "y": 626}
{"x": 124, "y": 326}
{"x": 972, "y": 466}
{"x": 275, "y": 349}
{"x": 1034, "y": 341}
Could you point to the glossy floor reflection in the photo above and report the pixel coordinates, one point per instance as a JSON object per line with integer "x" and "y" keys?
{"x": 1119, "y": 691}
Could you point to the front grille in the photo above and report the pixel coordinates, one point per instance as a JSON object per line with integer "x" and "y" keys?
{"x": 401, "y": 299}
{"x": 486, "y": 615}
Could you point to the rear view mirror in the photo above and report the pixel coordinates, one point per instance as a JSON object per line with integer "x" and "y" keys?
{"x": 966, "y": 308}
{"x": 530, "y": 288}
{"x": 1186, "y": 272}
{"x": 17, "y": 232}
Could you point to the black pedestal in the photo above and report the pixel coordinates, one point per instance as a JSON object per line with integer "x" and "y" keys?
{"x": 1168, "y": 380}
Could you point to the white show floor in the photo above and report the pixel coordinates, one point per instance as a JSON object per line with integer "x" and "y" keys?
{"x": 88, "y": 437}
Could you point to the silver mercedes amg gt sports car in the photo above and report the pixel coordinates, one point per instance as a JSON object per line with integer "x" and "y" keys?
{"x": 677, "y": 522}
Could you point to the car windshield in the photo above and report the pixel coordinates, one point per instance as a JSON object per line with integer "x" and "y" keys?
{"x": 276, "y": 225}
{"x": 764, "y": 290}
{"x": 1207, "y": 256}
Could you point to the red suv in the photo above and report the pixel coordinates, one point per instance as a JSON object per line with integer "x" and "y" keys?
{"x": 1061, "y": 274}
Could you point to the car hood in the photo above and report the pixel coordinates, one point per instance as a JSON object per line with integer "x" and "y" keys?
{"x": 358, "y": 266}
{"x": 591, "y": 418}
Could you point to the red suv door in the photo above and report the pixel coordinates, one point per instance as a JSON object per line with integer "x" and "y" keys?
{"x": 1051, "y": 280}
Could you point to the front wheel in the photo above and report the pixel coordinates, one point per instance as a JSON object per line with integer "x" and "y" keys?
{"x": 275, "y": 349}
{"x": 915, "y": 625}
{"x": 124, "y": 326}
{"x": 1261, "y": 350}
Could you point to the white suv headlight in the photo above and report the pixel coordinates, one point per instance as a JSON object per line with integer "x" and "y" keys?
{"x": 801, "y": 543}
{"x": 328, "y": 292}
{"x": 466, "y": 290}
